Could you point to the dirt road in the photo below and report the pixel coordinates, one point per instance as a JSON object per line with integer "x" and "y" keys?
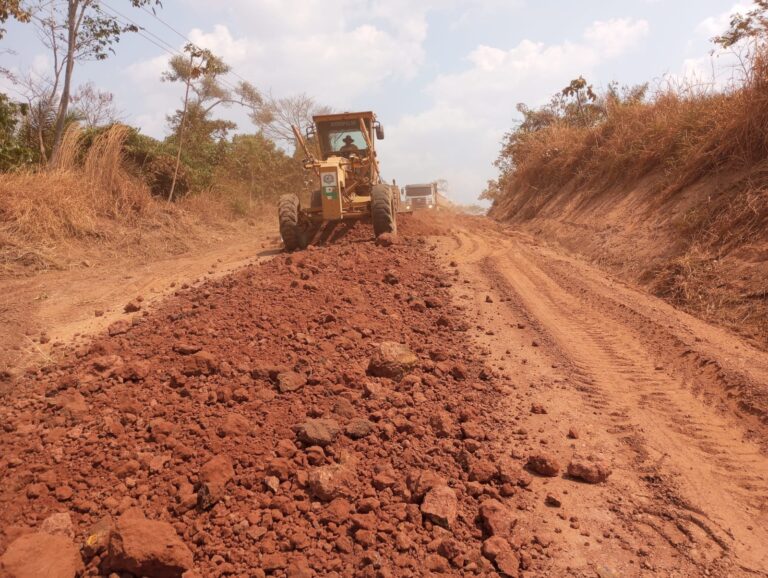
{"x": 677, "y": 406}
{"x": 463, "y": 402}
{"x": 42, "y": 313}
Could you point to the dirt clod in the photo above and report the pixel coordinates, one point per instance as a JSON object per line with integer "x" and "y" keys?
{"x": 440, "y": 506}
{"x": 41, "y": 554}
{"x": 543, "y": 464}
{"x": 590, "y": 470}
{"x": 392, "y": 360}
{"x": 147, "y": 548}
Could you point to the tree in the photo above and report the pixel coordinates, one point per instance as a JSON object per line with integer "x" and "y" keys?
{"x": 578, "y": 102}
{"x": 277, "y": 115}
{"x": 75, "y": 31}
{"x": 745, "y": 27}
{"x": 94, "y": 107}
{"x": 200, "y": 71}
{"x": 13, "y": 152}
{"x": 263, "y": 169}
{"x": 12, "y": 9}
{"x": 39, "y": 122}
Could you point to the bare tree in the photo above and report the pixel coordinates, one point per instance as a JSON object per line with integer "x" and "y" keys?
{"x": 94, "y": 107}
{"x": 76, "y": 31}
{"x": 40, "y": 93}
{"x": 276, "y": 116}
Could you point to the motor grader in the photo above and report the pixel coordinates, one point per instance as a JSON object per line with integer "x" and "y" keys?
{"x": 348, "y": 178}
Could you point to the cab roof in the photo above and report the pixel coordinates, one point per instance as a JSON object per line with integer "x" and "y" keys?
{"x": 366, "y": 115}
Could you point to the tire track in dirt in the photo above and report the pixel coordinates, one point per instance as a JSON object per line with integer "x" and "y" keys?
{"x": 703, "y": 475}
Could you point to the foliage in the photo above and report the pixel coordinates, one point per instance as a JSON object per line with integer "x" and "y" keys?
{"x": 13, "y": 151}
{"x": 76, "y": 31}
{"x": 262, "y": 170}
{"x": 12, "y": 9}
{"x": 197, "y": 137}
{"x": 745, "y": 27}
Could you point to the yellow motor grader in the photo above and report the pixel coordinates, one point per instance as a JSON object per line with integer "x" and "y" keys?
{"x": 349, "y": 180}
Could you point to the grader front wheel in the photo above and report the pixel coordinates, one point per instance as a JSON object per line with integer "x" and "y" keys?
{"x": 288, "y": 214}
{"x": 382, "y": 210}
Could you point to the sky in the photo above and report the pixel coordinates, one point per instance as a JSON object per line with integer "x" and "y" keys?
{"x": 443, "y": 76}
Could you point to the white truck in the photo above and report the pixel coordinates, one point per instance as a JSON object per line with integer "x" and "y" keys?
{"x": 417, "y": 197}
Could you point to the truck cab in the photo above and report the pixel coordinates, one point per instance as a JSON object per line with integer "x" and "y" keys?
{"x": 422, "y": 196}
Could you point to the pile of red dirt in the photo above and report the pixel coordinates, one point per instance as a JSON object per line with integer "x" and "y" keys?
{"x": 321, "y": 414}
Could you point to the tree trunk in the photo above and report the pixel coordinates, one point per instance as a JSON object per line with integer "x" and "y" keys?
{"x": 181, "y": 132}
{"x": 72, "y": 31}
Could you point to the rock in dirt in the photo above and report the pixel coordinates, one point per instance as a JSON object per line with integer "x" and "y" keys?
{"x": 496, "y": 518}
{"x": 511, "y": 472}
{"x": 97, "y": 538}
{"x": 234, "y": 425}
{"x": 440, "y": 506}
{"x": 592, "y": 471}
{"x": 288, "y": 381}
{"x": 41, "y": 555}
{"x": 498, "y": 551}
{"x": 214, "y": 477}
{"x": 482, "y": 471}
{"x": 358, "y": 428}
{"x": 146, "y": 548}
{"x": 392, "y": 360}
{"x": 386, "y": 240}
{"x": 119, "y": 327}
{"x": 544, "y": 465}
{"x": 329, "y": 482}
{"x": 200, "y": 363}
{"x": 552, "y": 501}
{"x": 185, "y": 348}
{"x": 420, "y": 482}
{"x": 59, "y": 525}
{"x": 538, "y": 409}
{"x": 318, "y": 432}
{"x": 132, "y": 307}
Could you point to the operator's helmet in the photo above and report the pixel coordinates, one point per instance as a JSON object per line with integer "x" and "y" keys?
{"x": 348, "y": 139}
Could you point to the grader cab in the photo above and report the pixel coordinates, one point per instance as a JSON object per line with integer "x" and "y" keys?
{"x": 349, "y": 184}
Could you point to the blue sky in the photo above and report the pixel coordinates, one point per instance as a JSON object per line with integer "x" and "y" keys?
{"x": 444, "y": 76}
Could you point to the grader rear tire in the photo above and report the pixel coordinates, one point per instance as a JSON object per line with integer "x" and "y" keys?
{"x": 288, "y": 214}
{"x": 382, "y": 210}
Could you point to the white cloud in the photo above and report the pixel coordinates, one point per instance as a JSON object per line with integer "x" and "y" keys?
{"x": 458, "y": 136}
{"x": 715, "y": 25}
{"x": 614, "y": 37}
{"x": 234, "y": 51}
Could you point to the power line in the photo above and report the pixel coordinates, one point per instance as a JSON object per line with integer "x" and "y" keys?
{"x": 157, "y": 40}
{"x": 182, "y": 36}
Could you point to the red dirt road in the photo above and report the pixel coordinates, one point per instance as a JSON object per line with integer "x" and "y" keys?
{"x": 245, "y": 414}
{"x": 678, "y": 407}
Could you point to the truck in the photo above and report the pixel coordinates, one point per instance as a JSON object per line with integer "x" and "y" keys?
{"x": 422, "y": 196}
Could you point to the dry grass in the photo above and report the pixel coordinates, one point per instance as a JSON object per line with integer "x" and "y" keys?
{"x": 89, "y": 199}
{"x": 684, "y": 134}
{"x": 701, "y": 160}
{"x": 73, "y": 200}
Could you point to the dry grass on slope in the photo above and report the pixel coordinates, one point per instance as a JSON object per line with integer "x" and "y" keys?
{"x": 89, "y": 205}
{"x": 682, "y": 177}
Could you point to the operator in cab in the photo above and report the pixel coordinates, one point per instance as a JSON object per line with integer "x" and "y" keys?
{"x": 349, "y": 146}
